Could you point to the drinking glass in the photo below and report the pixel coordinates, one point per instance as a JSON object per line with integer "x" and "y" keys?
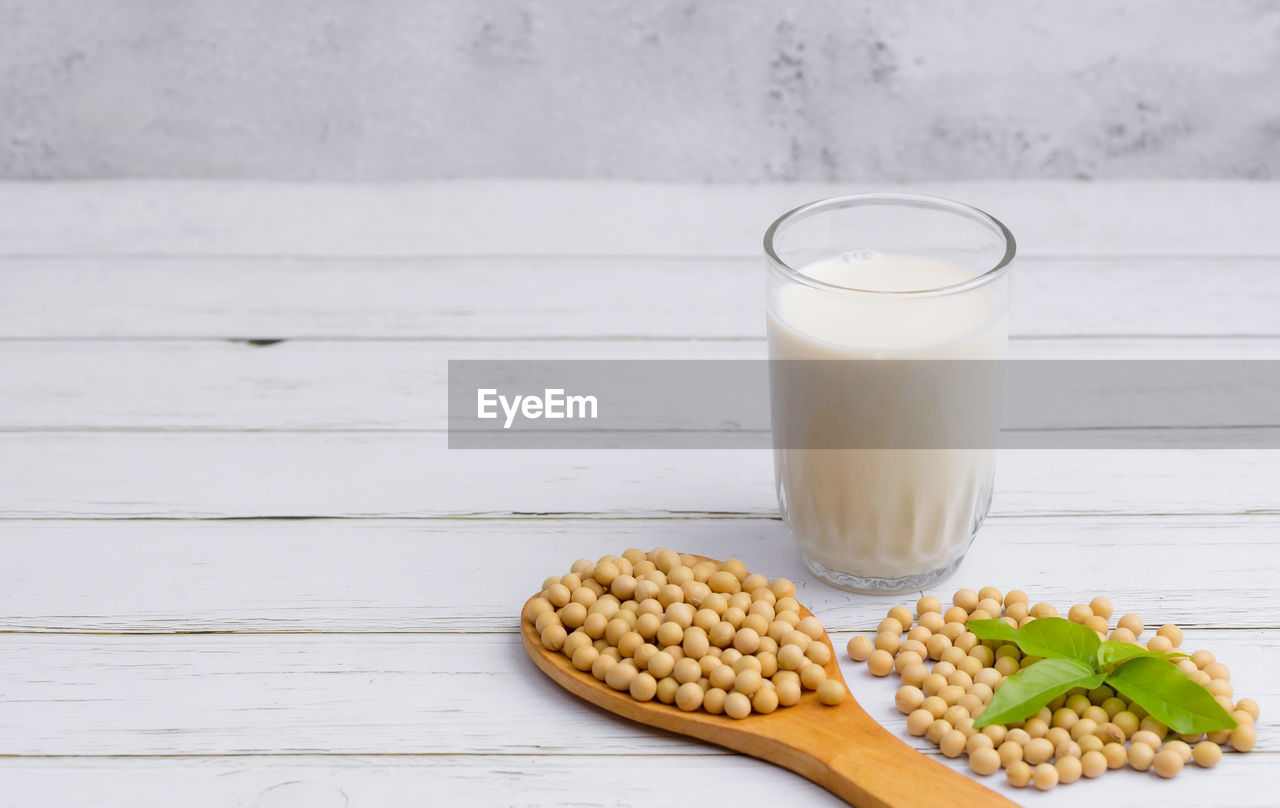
{"x": 890, "y": 279}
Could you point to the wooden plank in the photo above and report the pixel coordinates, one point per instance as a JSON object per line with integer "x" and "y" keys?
{"x": 575, "y": 298}
{"x": 365, "y": 385}
{"x": 404, "y": 576}
{"x": 206, "y": 475}
{"x": 186, "y": 217}
{"x": 401, "y": 781}
{"x": 617, "y": 780}
{"x": 370, "y": 694}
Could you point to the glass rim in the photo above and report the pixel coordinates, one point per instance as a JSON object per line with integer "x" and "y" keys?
{"x": 809, "y": 209}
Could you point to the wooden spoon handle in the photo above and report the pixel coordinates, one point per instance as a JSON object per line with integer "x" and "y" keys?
{"x": 856, "y": 759}
{"x": 880, "y": 771}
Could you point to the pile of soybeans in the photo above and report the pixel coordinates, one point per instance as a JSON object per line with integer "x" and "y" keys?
{"x": 949, "y": 676}
{"x": 688, "y": 632}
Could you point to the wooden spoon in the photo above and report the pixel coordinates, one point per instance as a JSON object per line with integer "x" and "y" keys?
{"x": 840, "y": 748}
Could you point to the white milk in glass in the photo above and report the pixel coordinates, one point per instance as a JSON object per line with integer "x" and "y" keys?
{"x": 898, "y": 514}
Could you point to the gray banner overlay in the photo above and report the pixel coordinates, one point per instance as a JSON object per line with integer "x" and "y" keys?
{"x": 871, "y": 404}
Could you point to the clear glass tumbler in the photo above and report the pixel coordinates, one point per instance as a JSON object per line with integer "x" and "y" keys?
{"x": 882, "y": 277}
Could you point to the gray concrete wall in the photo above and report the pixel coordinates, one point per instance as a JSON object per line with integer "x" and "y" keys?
{"x": 717, "y": 90}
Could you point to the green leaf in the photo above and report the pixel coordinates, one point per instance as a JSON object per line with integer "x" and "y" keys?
{"x": 993, "y": 630}
{"x": 1050, "y": 637}
{"x": 1112, "y": 653}
{"x": 1033, "y": 687}
{"x": 1058, "y": 637}
{"x": 1167, "y": 693}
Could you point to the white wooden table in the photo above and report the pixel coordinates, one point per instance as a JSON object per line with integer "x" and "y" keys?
{"x": 242, "y": 572}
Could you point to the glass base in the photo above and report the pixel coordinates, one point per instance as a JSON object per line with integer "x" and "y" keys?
{"x": 880, "y": 586}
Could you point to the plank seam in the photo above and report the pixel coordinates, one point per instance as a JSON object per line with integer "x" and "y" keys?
{"x": 411, "y": 257}
{"x": 419, "y": 633}
{"x": 687, "y": 753}
{"x": 605, "y": 516}
{"x": 260, "y": 341}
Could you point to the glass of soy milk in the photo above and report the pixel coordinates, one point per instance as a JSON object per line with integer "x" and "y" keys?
{"x": 885, "y": 312}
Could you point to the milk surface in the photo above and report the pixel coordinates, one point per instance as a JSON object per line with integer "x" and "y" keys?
{"x": 877, "y": 518}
